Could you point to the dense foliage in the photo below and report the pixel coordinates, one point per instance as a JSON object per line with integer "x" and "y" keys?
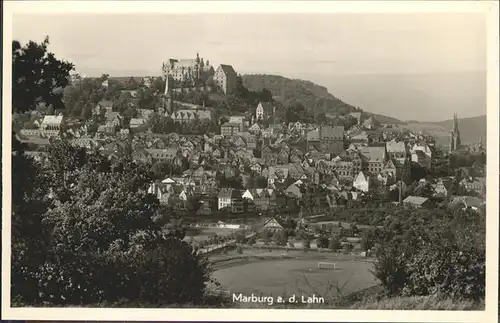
{"x": 424, "y": 252}
{"x": 86, "y": 232}
{"x": 38, "y": 77}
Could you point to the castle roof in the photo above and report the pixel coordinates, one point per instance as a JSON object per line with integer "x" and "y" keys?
{"x": 227, "y": 69}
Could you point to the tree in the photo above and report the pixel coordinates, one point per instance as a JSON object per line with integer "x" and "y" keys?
{"x": 266, "y": 95}
{"x": 106, "y": 242}
{"x": 193, "y": 203}
{"x": 260, "y": 182}
{"x": 146, "y": 99}
{"x": 86, "y": 112}
{"x": 334, "y": 243}
{"x": 295, "y": 112}
{"x": 429, "y": 252}
{"x": 280, "y": 237}
{"x": 369, "y": 238}
{"x": 306, "y": 244}
{"x": 251, "y": 240}
{"x": 131, "y": 84}
{"x": 38, "y": 77}
{"x": 322, "y": 241}
{"x": 64, "y": 160}
{"x": 158, "y": 85}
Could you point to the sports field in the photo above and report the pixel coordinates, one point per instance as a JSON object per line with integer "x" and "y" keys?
{"x": 297, "y": 275}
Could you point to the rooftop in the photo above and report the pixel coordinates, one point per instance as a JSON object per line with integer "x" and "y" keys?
{"x": 52, "y": 119}
{"x": 373, "y": 154}
{"x": 395, "y": 146}
{"x": 416, "y": 200}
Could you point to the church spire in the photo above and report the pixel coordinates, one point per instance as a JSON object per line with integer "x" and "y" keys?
{"x": 455, "y": 135}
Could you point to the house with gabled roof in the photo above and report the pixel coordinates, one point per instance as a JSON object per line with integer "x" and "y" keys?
{"x": 374, "y": 159}
{"x": 273, "y": 225}
{"x": 371, "y": 123}
{"x": 389, "y": 168}
{"x": 255, "y": 128}
{"x": 229, "y": 129}
{"x": 189, "y": 115}
{"x": 263, "y": 111}
{"x": 238, "y": 141}
{"x": 362, "y": 182}
{"x": 360, "y": 137}
{"x": 476, "y": 185}
{"x": 269, "y": 154}
{"x": 444, "y": 187}
{"x": 229, "y": 197}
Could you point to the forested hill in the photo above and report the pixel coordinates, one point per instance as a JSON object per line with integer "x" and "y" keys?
{"x": 311, "y": 95}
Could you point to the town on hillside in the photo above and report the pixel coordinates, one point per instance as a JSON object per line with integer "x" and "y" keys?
{"x": 235, "y": 168}
{"x": 231, "y": 165}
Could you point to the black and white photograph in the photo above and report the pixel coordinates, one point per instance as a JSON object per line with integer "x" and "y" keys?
{"x": 182, "y": 157}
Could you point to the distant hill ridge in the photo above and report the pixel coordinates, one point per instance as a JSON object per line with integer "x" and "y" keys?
{"x": 311, "y": 95}
{"x": 471, "y": 129}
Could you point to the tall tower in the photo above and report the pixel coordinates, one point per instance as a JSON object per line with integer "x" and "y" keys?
{"x": 455, "y": 135}
{"x": 168, "y": 94}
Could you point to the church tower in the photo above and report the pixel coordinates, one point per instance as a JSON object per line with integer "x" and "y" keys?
{"x": 455, "y": 135}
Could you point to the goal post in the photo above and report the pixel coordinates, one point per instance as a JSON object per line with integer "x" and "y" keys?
{"x": 331, "y": 265}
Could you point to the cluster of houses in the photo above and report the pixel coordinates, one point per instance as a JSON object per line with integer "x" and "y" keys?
{"x": 293, "y": 161}
{"x": 286, "y": 157}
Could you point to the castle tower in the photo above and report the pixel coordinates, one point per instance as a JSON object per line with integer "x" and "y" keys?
{"x": 168, "y": 94}
{"x": 168, "y": 85}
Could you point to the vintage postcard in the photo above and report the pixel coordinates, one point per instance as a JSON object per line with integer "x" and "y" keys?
{"x": 257, "y": 161}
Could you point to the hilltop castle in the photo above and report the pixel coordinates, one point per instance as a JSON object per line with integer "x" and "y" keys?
{"x": 193, "y": 73}
{"x": 187, "y": 71}
{"x": 455, "y": 135}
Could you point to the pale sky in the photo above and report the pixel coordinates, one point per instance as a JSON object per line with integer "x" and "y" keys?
{"x": 315, "y": 47}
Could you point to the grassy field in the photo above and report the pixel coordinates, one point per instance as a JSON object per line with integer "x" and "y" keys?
{"x": 264, "y": 273}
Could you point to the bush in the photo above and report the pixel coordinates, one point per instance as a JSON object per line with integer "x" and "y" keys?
{"x": 239, "y": 250}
